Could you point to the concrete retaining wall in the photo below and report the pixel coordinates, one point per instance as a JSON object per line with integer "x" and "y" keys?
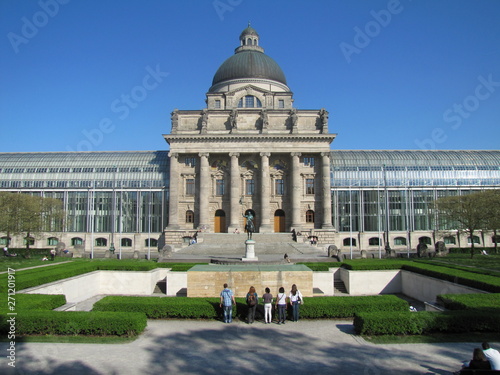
{"x": 83, "y": 287}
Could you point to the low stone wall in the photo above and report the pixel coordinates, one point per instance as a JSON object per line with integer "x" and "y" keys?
{"x": 208, "y": 280}
{"x": 82, "y": 287}
{"x": 362, "y": 283}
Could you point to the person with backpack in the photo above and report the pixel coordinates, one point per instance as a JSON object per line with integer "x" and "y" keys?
{"x": 252, "y": 301}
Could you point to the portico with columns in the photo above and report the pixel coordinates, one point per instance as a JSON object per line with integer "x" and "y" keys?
{"x": 249, "y": 150}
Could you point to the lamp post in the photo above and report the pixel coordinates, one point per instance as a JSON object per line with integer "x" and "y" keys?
{"x": 387, "y": 242}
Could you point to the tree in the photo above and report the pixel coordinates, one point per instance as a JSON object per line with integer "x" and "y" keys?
{"x": 29, "y": 215}
{"x": 465, "y": 210}
{"x": 491, "y": 206}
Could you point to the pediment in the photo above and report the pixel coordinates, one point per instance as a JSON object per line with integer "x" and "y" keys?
{"x": 247, "y": 90}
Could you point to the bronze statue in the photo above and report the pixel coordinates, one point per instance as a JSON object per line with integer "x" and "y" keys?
{"x": 249, "y": 227}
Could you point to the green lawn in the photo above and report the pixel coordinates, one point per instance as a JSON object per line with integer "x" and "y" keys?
{"x": 20, "y": 262}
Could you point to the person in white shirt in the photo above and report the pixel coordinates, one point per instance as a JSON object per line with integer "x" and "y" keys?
{"x": 492, "y": 355}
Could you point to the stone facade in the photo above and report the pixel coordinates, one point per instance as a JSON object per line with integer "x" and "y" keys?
{"x": 249, "y": 151}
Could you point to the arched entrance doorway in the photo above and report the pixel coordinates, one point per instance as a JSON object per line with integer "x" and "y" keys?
{"x": 279, "y": 221}
{"x": 220, "y": 222}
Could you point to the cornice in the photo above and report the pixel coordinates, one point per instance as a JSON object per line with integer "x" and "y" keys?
{"x": 236, "y": 138}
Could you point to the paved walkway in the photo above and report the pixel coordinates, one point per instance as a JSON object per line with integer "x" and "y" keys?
{"x": 211, "y": 347}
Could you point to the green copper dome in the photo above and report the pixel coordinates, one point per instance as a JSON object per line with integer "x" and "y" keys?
{"x": 249, "y": 61}
{"x": 249, "y": 64}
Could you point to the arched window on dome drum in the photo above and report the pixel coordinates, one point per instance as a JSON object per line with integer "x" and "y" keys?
{"x": 250, "y": 102}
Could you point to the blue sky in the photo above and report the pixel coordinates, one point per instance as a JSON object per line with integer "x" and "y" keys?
{"x": 421, "y": 74}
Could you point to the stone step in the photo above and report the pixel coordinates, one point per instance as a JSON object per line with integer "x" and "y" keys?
{"x": 232, "y": 238}
{"x": 239, "y": 248}
{"x": 339, "y": 287}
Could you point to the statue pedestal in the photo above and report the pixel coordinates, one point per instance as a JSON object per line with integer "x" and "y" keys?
{"x": 250, "y": 252}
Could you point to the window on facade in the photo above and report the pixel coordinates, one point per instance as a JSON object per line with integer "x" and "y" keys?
{"x": 310, "y": 186}
{"x": 349, "y": 241}
{"x": 101, "y": 242}
{"x": 52, "y": 241}
{"x": 76, "y": 241}
{"x": 219, "y": 187}
{"x": 151, "y": 242}
{"x": 5, "y": 241}
{"x": 126, "y": 242}
{"x": 249, "y": 187}
{"x": 374, "y": 241}
{"x": 281, "y": 103}
{"x": 476, "y": 240}
{"x": 398, "y": 241}
{"x": 495, "y": 239}
{"x": 189, "y": 216}
{"x": 450, "y": 240}
{"x": 249, "y": 101}
{"x": 190, "y": 161}
{"x": 425, "y": 240}
{"x": 309, "y": 216}
{"x": 217, "y": 104}
{"x": 309, "y": 161}
{"x": 279, "y": 186}
{"x": 29, "y": 240}
{"x": 190, "y": 186}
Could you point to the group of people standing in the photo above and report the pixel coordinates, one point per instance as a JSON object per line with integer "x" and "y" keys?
{"x": 282, "y": 301}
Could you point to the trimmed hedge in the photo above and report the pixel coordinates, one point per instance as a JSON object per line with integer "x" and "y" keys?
{"x": 490, "y": 301}
{"x": 208, "y": 308}
{"x": 75, "y": 323}
{"x": 471, "y": 279}
{"x": 42, "y": 275}
{"x": 163, "y": 308}
{"x": 416, "y": 323}
{"x": 30, "y": 302}
{"x": 322, "y": 266}
{"x": 374, "y": 264}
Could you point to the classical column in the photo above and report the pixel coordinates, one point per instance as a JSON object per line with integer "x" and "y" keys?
{"x": 265, "y": 194}
{"x": 234, "y": 193}
{"x": 204, "y": 192}
{"x": 327, "y": 196}
{"x": 296, "y": 190}
{"x": 173, "y": 192}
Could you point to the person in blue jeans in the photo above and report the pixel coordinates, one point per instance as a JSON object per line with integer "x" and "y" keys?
{"x": 296, "y": 300}
{"x": 226, "y": 302}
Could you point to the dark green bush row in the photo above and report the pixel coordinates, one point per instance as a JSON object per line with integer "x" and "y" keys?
{"x": 208, "y": 308}
{"x": 163, "y": 308}
{"x": 75, "y": 323}
{"x": 469, "y": 269}
{"x": 471, "y": 279}
{"x": 417, "y": 323}
{"x": 38, "y": 276}
{"x": 34, "y": 252}
{"x": 466, "y": 250}
{"x": 322, "y": 266}
{"x": 30, "y": 302}
{"x": 483, "y": 301}
{"x": 374, "y": 264}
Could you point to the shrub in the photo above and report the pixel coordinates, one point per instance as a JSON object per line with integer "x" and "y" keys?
{"x": 483, "y": 301}
{"x": 208, "y": 308}
{"x": 30, "y": 302}
{"x": 163, "y": 308}
{"x": 416, "y": 323}
{"x": 322, "y": 266}
{"x": 374, "y": 264}
{"x": 76, "y": 323}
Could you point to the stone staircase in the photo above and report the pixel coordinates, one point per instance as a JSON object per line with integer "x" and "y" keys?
{"x": 224, "y": 244}
{"x": 339, "y": 287}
